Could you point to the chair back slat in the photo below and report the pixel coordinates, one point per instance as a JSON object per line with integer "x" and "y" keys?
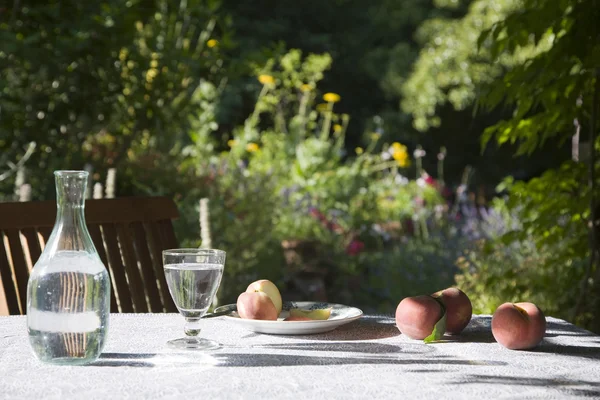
{"x": 34, "y": 249}
{"x": 168, "y": 235}
{"x": 96, "y": 235}
{"x": 117, "y": 268}
{"x": 134, "y": 278}
{"x": 147, "y": 268}
{"x": 21, "y": 271}
{"x": 168, "y": 241}
{"x": 45, "y": 231}
{"x": 129, "y": 235}
{"x": 8, "y": 288}
{"x": 156, "y": 247}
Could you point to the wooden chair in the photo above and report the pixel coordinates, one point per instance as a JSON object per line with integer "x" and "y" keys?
{"x": 129, "y": 234}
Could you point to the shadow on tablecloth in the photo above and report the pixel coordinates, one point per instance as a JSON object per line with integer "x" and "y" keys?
{"x": 581, "y": 388}
{"x": 224, "y": 359}
{"x": 368, "y": 327}
{"x": 592, "y": 352}
{"x": 274, "y": 360}
{"x": 349, "y": 347}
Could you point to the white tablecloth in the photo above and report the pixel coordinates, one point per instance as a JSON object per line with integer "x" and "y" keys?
{"x": 366, "y": 359}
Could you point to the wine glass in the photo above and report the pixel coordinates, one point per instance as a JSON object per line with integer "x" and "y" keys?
{"x": 193, "y": 277}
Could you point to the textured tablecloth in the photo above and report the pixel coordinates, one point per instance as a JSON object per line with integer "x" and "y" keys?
{"x": 366, "y": 359}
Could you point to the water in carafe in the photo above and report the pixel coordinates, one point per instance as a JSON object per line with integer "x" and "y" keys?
{"x": 68, "y": 293}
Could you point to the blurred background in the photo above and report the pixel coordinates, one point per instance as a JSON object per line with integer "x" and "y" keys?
{"x": 350, "y": 151}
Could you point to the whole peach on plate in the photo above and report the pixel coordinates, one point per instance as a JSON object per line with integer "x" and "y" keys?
{"x": 458, "y": 309}
{"x": 417, "y": 316}
{"x": 269, "y": 288}
{"x": 518, "y": 326}
{"x": 256, "y": 305}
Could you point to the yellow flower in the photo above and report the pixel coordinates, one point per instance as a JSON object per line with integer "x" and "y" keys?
{"x": 401, "y": 157}
{"x": 375, "y": 136}
{"x": 306, "y": 87}
{"x": 212, "y": 43}
{"x": 322, "y": 107}
{"x": 231, "y": 143}
{"x": 151, "y": 74}
{"x": 252, "y": 147}
{"x": 359, "y": 150}
{"x": 266, "y": 79}
{"x": 331, "y": 97}
{"x": 398, "y": 147}
{"x": 337, "y": 128}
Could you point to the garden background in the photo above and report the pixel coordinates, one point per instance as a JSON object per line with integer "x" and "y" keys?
{"x": 353, "y": 151}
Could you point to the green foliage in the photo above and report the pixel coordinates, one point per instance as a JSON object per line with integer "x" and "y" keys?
{"x": 286, "y": 178}
{"x": 89, "y": 81}
{"x": 520, "y": 264}
{"x": 411, "y": 268}
{"x": 136, "y": 85}
{"x": 372, "y": 43}
{"x": 241, "y": 224}
{"x": 451, "y": 67}
{"x": 538, "y": 59}
{"x": 547, "y": 89}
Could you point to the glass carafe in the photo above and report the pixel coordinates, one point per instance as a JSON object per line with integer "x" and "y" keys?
{"x": 68, "y": 293}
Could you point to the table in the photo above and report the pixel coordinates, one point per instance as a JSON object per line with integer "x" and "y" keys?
{"x": 366, "y": 359}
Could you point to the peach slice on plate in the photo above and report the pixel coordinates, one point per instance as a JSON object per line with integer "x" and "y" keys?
{"x": 319, "y": 314}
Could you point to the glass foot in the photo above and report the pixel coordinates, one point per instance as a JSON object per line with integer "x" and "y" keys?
{"x": 193, "y": 343}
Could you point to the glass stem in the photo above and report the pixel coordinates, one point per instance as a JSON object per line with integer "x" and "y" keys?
{"x": 192, "y": 327}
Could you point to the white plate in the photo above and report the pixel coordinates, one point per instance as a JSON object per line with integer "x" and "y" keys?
{"x": 340, "y": 315}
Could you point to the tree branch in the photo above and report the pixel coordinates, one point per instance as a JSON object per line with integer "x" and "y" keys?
{"x": 12, "y": 168}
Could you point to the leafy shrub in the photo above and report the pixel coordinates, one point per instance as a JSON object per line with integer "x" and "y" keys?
{"x": 542, "y": 253}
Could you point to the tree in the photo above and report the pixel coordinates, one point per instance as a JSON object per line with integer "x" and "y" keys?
{"x": 549, "y": 92}
{"x": 539, "y": 60}
{"x": 89, "y": 81}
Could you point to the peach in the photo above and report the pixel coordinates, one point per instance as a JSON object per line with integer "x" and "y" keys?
{"x": 256, "y": 305}
{"x": 417, "y": 316}
{"x": 518, "y": 326}
{"x": 458, "y": 309}
{"x": 269, "y": 288}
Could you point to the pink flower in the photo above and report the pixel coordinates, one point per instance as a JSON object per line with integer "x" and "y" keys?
{"x": 429, "y": 179}
{"x": 355, "y": 247}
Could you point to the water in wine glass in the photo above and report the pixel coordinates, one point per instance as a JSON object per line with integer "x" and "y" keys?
{"x": 193, "y": 286}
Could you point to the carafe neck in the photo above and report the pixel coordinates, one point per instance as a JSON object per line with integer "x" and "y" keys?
{"x": 70, "y": 230}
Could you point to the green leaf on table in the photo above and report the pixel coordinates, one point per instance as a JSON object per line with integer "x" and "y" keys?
{"x": 440, "y": 327}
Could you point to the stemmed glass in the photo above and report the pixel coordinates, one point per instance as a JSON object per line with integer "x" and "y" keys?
{"x": 193, "y": 277}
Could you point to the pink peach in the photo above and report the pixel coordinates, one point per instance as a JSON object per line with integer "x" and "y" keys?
{"x": 268, "y": 287}
{"x": 256, "y": 305}
{"x": 518, "y": 326}
{"x": 458, "y": 309}
{"x": 417, "y": 316}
